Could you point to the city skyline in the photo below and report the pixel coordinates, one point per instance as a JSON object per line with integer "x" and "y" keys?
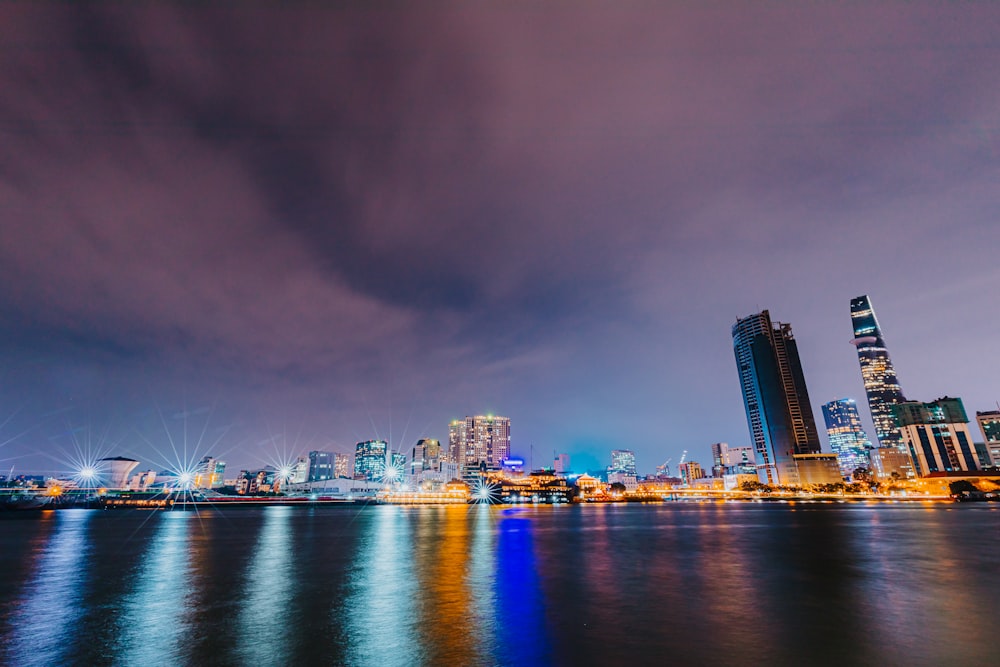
{"x": 307, "y": 246}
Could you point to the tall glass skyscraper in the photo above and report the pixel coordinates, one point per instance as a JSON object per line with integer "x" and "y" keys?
{"x": 370, "y": 459}
{"x": 847, "y": 438}
{"x": 779, "y": 414}
{"x": 877, "y": 372}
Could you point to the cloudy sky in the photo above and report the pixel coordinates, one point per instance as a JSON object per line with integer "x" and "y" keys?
{"x": 253, "y": 231}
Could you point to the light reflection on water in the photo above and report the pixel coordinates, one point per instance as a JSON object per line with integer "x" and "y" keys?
{"x": 50, "y": 599}
{"x": 480, "y": 585}
{"x": 268, "y": 585}
{"x": 153, "y": 624}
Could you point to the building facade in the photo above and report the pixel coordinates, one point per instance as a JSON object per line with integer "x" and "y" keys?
{"x": 426, "y": 455}
{"x": 481, "y": 442}
{"x": 209, "y": 473}
{"x": 877, "y": 372}
{"x": 775, "y": 397}
{"x": 989, "y": 426}
{"x": 623, "y": 460}
{"x": 847, "y": 437}
{"x": 815, "y": 469}
{"x": 936, "y": 435}
{"x": 321, "y": 466}
{"x": 370, "y": 459}
{"x": 341, "y": 466}
{"x": 890, "y": 464}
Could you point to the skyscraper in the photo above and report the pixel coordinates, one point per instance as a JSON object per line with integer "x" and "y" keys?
{"x": 936, "y": 434}
{"x": 426, "y": 455}
{"x": 483, "y": 440}
{"x": 370, "y": 459}
{"x": 847, "y": 438}
{"x": 623, "y": 461}
{"x": 775, "y": 397}
{"x": 877, "y": 372}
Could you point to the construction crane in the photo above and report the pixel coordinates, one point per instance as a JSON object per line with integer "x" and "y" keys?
{"x": 664, "y": 470}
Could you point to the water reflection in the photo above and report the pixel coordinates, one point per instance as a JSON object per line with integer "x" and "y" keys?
{"x": 381, "y": 614}
{"x": 155, "y": 616}
{"x": 51, "y": 599}
{"x": 267, "y": 609}
{"x": 520, "y": 603}
{"x": 680, "y": 584}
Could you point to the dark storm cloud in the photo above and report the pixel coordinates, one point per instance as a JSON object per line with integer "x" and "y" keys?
{"x": 548, "y": 209}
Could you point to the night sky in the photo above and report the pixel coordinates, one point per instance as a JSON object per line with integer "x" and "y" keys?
{"x": 256, "y": 231}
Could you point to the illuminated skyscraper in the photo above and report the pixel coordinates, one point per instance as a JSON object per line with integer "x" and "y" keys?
{"x": 480, "y": 441}
{"x": 877, "y": 372}
{"x": 623, "y": 461}
{"x": 775, "y": 397}
{"x": 847, "y": 438}
{"x": 370, "y": 459}
{"x": 936, "y": 434}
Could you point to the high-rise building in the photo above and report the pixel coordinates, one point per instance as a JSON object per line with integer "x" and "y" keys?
{"x": 622, "y": 460}
{"x": 456, "y": 441}
{"x": 719, "y": 450}
{"x": 560, "y": 464}
{"x": 370, "y": 459}
{"x": 341, "y": 469}
{"x": 480, "y": 442}
{"x": 847, "y": 437}
{"x": 426, "y": 455}
{"x": 321, "y": 466}
{"x": 989, "y": 424}
{"x": 877, "y": 372}
{"x": 936, "y": 434}
{"x": 775, "y": 397}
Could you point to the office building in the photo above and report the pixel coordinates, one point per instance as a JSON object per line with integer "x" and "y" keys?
{"x": 689, "y": 472}
{"x": 426, "y": 455}
{"x": 321, "y": 466}
{"x": 739, "y": 460}
{"x": 560, "y": 464}
{"x": 890, "y": 464}
{"x": 847, "y": 437}
{"x": 718, "y": 458}
{"x": 813, "y": 469}
{"x": 877, "y": 372}
{"x": 936, "y": 434}
{"x": 775, "y": 397}
{"x": 989, "y": 425}
{"x": 341, "y": 466}
{"x": 623, "y": 460}
{"x": 480, "y": 443}
{"x": 370, "y": 459}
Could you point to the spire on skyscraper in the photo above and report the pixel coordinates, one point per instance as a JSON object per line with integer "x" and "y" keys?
{"x": 879, "y": 376}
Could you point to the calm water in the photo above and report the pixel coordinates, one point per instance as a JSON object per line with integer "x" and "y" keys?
{"x": 738, "y": 584}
